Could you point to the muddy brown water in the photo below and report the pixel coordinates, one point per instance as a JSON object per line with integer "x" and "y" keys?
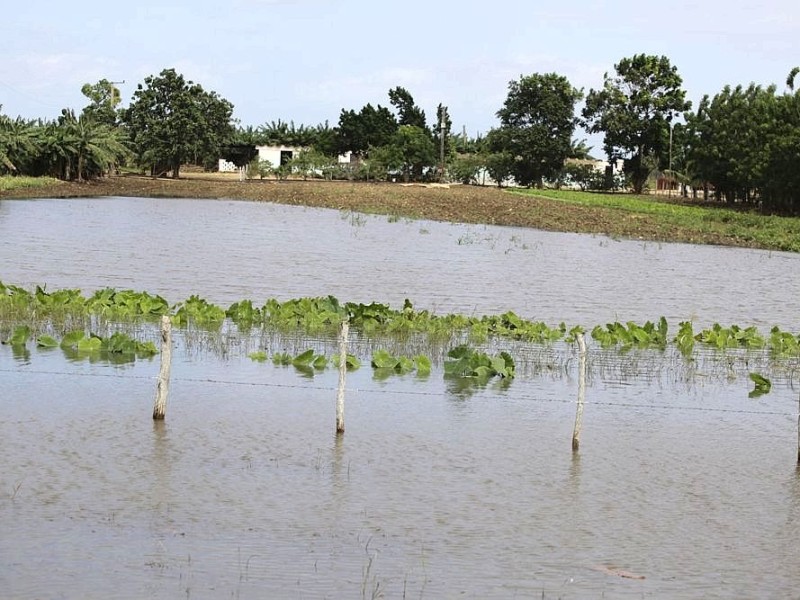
{"x": 689, "y": 489}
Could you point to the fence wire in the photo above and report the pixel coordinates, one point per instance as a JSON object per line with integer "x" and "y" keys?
{"x": 375, "y": 391}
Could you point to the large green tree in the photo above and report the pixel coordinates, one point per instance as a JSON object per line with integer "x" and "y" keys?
{"x": 536, "y": 126}
{"x": 104, "y": 98}
{"x": 728, "y": 142}
{"x": 173, "y": 121}
{"x": 370, "y": 128}
{"x": 634, "y": 109}
{"x": 416, "y": 150}
{"x": 408, "y": 113}
{"x": 744, "y": 143}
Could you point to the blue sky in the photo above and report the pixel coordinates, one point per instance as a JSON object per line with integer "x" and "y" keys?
{"x": 305, "y": 60}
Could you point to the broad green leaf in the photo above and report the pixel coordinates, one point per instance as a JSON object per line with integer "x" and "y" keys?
{"x": 46, "y": 341}
{"x": 20, "y": 336}
{"x": 71, "y": 339}
{"x": 423, "y": 364}
{"x": 304, "y": 359}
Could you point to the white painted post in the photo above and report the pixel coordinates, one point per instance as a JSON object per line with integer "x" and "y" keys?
{"x": 342, "y": 376}
{"x": 798, "y": 431}
{"x": 576, "y": 432}
{"x": 162, "y": 385}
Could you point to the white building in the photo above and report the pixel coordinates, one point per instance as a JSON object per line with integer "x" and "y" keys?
{"x": 276, "y": 155}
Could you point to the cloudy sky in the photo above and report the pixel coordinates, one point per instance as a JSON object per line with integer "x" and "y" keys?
{"x": 305, "y": 60}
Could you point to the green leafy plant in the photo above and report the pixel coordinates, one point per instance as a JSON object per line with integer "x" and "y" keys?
{"x": 466, "y": 362}
{"x": 46, "y": 341}
{"x": 762, "y": 385}
{"x": 684, "y": 339}
{"x": 783, "y": 344}
{"x": 386, "y": 364}
{"x": 734, "y": 336}
{"x": 351, "y": 362}
{"x": 632, "y": 335}
{"x": 20, "y": 336}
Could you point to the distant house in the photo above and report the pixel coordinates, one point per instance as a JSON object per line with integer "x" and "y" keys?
{"x": 277, "y": 156}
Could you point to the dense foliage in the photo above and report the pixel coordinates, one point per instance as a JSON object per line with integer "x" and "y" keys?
{"x": 634, "y": 109}
{"x": 741, "y": 145}
{"x": 744, "y": 144}
{"x": 536, "y": 126}
{"x": 172, "y": 121}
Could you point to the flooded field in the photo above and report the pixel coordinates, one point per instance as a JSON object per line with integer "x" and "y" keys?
{"x": 684, "y": 487}
{"x": 229, "y": 250}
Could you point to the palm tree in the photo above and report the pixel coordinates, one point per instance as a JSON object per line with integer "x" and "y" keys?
{"x": 18, "y": 146}
{"x": 96, "y": 147}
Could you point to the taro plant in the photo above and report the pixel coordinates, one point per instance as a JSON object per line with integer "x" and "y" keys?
{"x": 762, "y": 385}
{"x": 783, "y": 344}
{"x": 118, "y": 347}
{"x": 351, "y": 362}
{"x": 512, "y": 326}
{"x": 464, "y": 361}
{"x": 385, "y": 364}
{"x": 312, "y": 315}
{"x": 19, "y": 337}
{"x": 200, "y": 312}
{"x": 126, "y": 304}
{"x": 282, "y": 358}
{"x": 244, "y": 314}
{"x": 307, "y": 362}
{"x": 734, "y": 336}
{"x": 632, "y": 335}
{"x": 259, "y": 356}
{"x": 684, "y": 339}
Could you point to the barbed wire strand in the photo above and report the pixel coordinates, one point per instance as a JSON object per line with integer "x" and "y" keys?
{"x": 405, "y": 392}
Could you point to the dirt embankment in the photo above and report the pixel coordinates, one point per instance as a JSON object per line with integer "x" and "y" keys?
{"x": 470, "y": 204}
{"x": 456, "y": 203}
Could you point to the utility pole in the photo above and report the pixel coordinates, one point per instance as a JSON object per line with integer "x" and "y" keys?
{"x": 670, "y": 159}
{"x": 441, "y": 144}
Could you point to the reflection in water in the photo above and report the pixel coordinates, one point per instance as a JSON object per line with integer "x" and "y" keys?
{"x": 242, "y": 492}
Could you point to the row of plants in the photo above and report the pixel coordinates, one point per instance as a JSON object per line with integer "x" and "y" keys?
{"x": 323, "y": 315}
{"x": 462, "y": 362}
{"x": 117, "y": 347}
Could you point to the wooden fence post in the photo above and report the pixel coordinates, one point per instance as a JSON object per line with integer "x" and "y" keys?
{"x": 342, "y": 376}
{"x": 162, "y": 385}
{"x": 576, "y": 432}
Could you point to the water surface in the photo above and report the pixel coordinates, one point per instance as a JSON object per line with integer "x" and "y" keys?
{"x": 245, "y": 492}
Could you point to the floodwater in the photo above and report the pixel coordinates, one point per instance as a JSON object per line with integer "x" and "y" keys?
{"x": 688, "y": 489}
{"x": 226, "y": 251}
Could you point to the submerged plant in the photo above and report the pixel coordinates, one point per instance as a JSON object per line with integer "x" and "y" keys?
{"x": 734, "y": 336}
{"x": 386, "y": 364}
{"x": 783, "y": 344}
{"x": 684, "y": 339}
{"x": 200, "y": 312}
{"x": 466, "y": 362}
{"x": 632, "y": 335}
{"x": 762, "y": 385}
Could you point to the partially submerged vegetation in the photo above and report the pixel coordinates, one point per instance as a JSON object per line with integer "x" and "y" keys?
{"x": 479, "y": 348}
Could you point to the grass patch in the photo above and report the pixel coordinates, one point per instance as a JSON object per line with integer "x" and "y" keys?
{"x": 681, "y": 220}
{"x": 10, "y": 182}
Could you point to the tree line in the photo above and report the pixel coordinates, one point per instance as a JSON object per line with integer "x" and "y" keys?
{"x": 740, "y": 145}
